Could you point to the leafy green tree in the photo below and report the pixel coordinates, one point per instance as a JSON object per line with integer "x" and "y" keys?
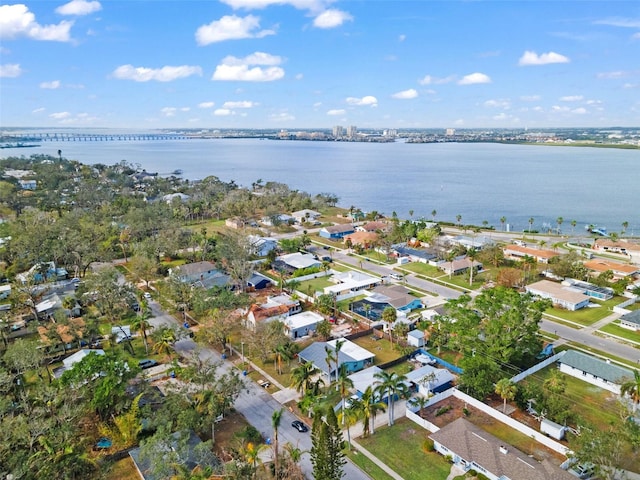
{"x": 479, "y": 376}
{"x": 327, "y": 457}
{"x": 344, "y": 384}
{"x": 631, "y": 388}
{"x": 234, "y": 255}
{"x": 324, "y": 329}
{"x": 302, "y": 375}
{"x": 325, "y": 304}
{"x": 164, "y": 338}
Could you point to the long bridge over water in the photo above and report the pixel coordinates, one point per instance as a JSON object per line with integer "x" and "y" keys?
{"x": 89, "y": 137}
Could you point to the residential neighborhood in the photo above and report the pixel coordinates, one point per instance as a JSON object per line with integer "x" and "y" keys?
{"x": 205, "y": 319}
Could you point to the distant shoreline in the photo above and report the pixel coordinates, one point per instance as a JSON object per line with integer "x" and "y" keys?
{"x": 576, "y": 144}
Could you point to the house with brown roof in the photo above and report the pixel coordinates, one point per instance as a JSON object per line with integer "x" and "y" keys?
{"x": 517, "y": 252}
{"x": 459, "y": 266}
{"x": 621, "y": 246}
{"x": 279, "y": 307}
{"x": 234, "y": 222}
{"x": 472, "y": 448}
{"x": 620, "y": 270}
{"x": 364, "y": 239}
{"x": 376, "y": 226}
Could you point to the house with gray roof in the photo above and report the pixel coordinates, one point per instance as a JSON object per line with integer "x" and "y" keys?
{"x": 631, "y": 320}
{"x": 472, "y": 448}
{"x": 596, "y": 371}
{"x": 336, "y": 231}
{"x": 353, "y": 357}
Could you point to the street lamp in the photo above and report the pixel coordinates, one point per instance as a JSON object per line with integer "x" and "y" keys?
{"x": 242, "y": 347}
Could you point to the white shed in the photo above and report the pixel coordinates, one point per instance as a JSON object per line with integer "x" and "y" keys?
{"x": 552, "y": 429}
{"x": 415, "y": 338}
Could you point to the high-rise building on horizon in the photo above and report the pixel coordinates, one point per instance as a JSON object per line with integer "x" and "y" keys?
{"x": 338, "y": 131}
{"x": 352, "y": 131}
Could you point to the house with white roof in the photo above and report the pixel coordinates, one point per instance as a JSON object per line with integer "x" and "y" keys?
{"x": 297, "y": 261}
{"x": 561, "y": 295}
{"x": 351, "y": 355}
{"x": 350, "y": 284}
{"x": 302, "y": 324}
{"x": 261, "y": 246}
{"x": 427, "y": 379}
{"x": 305, "y": 215}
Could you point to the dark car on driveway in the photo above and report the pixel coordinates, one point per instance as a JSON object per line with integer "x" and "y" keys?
{"x": 298, "y": 425}
{"x": 147, "y": 363}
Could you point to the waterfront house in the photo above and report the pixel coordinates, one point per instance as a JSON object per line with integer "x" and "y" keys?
{"x": 305, "y": 215}
{"x": 352, "y": 356}
{"x": 335, "y": 232}
{"x": 471, "y": 448}
{"x": 620, "y": 270}
{"x": 598, "y": 372}
{"x": 517, "y": 252}
{"x": 468, "y": 242}
{"x": 561, "y": 295}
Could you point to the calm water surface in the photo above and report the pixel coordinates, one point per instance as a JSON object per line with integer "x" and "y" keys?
{"x": 478, "y": 181}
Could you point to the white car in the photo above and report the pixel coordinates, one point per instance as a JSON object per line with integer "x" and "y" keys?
{"x": 147, "y": 295}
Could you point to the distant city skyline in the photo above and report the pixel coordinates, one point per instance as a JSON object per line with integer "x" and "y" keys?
{"x": 251, "y": 64}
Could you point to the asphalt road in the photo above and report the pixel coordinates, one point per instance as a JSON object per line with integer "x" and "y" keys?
{"x": 255, "y": 403}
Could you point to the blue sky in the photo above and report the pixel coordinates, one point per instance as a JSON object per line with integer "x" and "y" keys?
{"x": 318, "y": 63}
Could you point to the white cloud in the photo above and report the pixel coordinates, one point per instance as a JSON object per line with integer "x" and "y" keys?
{"x": 579, "y": 111}
{"x": 571, "y": 98}
{"x": 239, "y": 69}
{"x": 50, "y": 85}
{"x": 612, "y": 75}
{"x": 331, "y": 18}
{"x": 17, "y": 21}
{"x": 619, "y": 22}
{"x": 60, "y": 115}
{"x": 636, "y": 36}
{"x": 532, "y": 58}
{"x": 164, "y": 74}
{"x": 337, "y": 111}
{"x": 185, "y": 109}
{"x": 38, "y": 110}
{"x": 282, "y": 117}
{"x": 594, "y": 102}
{"x": 366, "y": 100}
{"x": 10, "y": 70}
{"x": 537, "y": 109}
{"x": 530, "y": 98}
{"x": 312, "y": 5}
{"x": 299, "y": 76}
{"x": 630, "y": 85}
{"x": 317, "y": 104}
{"x": 231, "y": 27}
{"x": 498, "y": 103}
{"x": 405, "y": 94}
{"x": 241, "y": 104}
{"x": 168, "y": 111}
{"x": 474, "y": 78}
{"x": 223, "y": 112}
{"x": 206, "y": 105}
{"x": 402, "y": 37}
{"x": 79, "y": 7}
{"x": 429, "y": 80}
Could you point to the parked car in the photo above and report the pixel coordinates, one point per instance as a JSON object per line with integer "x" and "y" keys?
{"x": 147, "y": 295}
{"x": 397, "y": 276}
{"x": 584, "y": 471}
{"x": 147, "y": 363}
{"x": 298, "y": 425}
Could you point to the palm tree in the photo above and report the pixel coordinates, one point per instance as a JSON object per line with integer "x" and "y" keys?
{"x": 503, "y": 221}
{"x": 349, "y": 417}
{"x": 472, "y": 253}
{"x": 344, "y": 384}
{"x": 458, "y": 219}
{"x": 164, "y": 341}
{"x": 559, "y": 221}
{"x": 632, "y": 388}
{"x": 141, "y": 324}
{"x": 331, "y": 356}
{"x": 507, "y": 391}
{"x": 301, "y": 377}
{"x": 433, "y": 215}
{"x": 426, "y": 381}
{"x": 625, "y": 225}
{"x": 368, "y": 407}
{"x": 391, "y": 385}
{"x": 573, "y": 226}
{"x": 450, "y": 257}
{"x": 531, "y": 220}
{"x": 276, "y": 417}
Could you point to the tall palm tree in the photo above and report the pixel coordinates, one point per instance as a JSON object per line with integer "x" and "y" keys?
{"x": 344, "y": 384}
{"x": 330, "y": 358}
{"x": 531, "y": 220}
{"x": 632, "y": 388}
{"x": 420, "y": 402}
{"x": 573, "y": 226}
{"x": 472, "y": 253}
{"x": 507, "y": 391}
{"x": 276, "y": 417}
{"x": 559, "y": 221}
{"x": 625, "y": 225}
{"x": 391, "y": 385}
{"x": 164, "y": 341}
{"x": 433, "y": 215}
{"x": 503, "y": 221}
{"x": 368, "y": 407}
{"x": 141, "y": 324}
{"x": 458, "y": 219}
{"x": 349, "y": 416}
{"x": 301, "y": 377}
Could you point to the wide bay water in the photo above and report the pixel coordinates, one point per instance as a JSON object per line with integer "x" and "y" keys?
{"x": 477, "y": 181}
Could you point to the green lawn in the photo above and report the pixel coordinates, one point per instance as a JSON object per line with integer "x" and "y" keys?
{"x": 596, "y": 405}
{"x": 615, "y": 329}
{"x": 377, "y": 257}
{"x": 367, "y": 466}
{"x": 587, "y": 316}
{"x": 400, "y": 447}
{"x": 382, "y": 349}
{"x": 308, "y": 287}
{"x": 462, "y": 280}
{"x": 422, "y": 269}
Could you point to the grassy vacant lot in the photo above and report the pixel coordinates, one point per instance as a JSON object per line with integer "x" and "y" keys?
{"x": 400, "y": 447}
{"x": 615, "y": 329}
{"x": 382, "y": 349}
{"x": 587, "y": 316}
{"x": 596, "y": 405}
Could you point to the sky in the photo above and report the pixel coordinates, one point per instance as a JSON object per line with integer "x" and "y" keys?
{"x": 318, "y": 63}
